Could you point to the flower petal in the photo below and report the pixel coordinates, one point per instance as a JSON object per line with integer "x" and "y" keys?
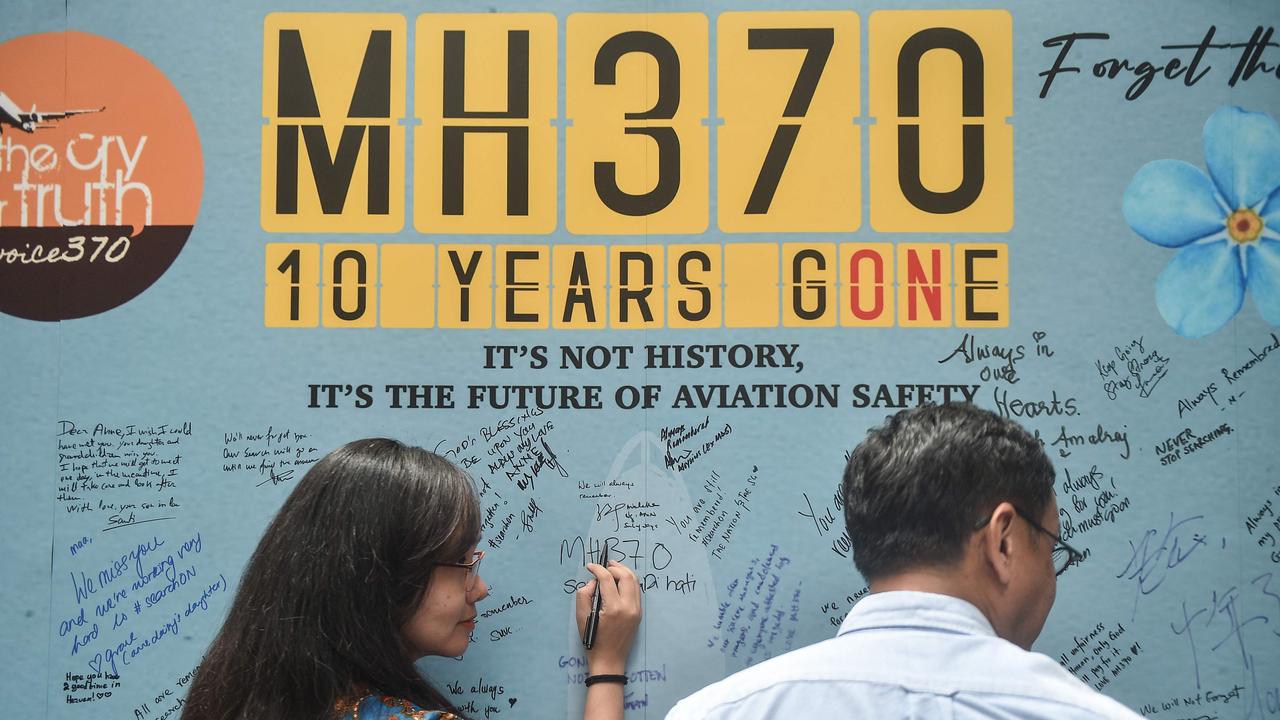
{"x": 1171, "y": 203}
{"x": 1201, "y": 288}
{"x": 1264, "y": 278}
{"x": 1242, "y": 150}
{"x": 1271, "y": 211}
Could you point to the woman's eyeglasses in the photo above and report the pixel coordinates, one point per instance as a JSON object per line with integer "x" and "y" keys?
{"x": 472, "y": 567}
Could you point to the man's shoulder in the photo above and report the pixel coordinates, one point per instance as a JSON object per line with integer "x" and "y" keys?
{"x": 777, "y": 675}
{"x": 1043, "y": 671}
{"x": 873, "y": 668}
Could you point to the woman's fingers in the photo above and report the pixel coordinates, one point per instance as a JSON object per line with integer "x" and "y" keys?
{"x": 609, "y": 596}
{"x": 627, "y": 586}
{"x": 583, "y": 603}
{"x": 619, "y": 617}
{"x": 607, "y": 581}
{"x": 619, "y": 596}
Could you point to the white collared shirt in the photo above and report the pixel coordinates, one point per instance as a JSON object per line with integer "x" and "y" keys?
{"x": 905, "y": 655}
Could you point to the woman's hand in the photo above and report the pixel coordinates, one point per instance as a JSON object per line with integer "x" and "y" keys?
{"x": 619, "y": 617}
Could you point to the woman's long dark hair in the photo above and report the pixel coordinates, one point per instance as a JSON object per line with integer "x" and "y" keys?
{"x": 343, "y": 565}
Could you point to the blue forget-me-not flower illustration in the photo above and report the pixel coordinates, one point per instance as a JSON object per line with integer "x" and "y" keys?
{"x": 1226, "y": 224}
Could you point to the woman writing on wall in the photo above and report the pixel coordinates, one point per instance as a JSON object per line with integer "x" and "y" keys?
{"x": 370, "y": 564}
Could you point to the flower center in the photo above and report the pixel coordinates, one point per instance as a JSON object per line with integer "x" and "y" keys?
{"x": 1244, "y": 226}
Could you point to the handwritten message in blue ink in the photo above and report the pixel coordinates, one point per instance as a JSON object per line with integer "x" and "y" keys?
{"x": 133, "y": 601}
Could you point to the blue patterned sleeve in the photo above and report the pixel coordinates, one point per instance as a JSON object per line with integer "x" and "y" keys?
{"x": 386, "y": 707}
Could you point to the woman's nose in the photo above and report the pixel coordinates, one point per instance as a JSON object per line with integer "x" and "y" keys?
{"x": 481, "y": 590}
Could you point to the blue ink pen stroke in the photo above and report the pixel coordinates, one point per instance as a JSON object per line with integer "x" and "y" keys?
{"x": 1226, "y": 617}
{"x": 1154, "y": 555}
{"x": 1226, "y": 224}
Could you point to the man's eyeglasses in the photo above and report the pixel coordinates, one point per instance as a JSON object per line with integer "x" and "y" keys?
{"x": 1064, "y": 556}
{"x": 472, "y": 567}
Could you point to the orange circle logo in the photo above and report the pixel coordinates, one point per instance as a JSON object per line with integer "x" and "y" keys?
{"x": 100, "y": 175}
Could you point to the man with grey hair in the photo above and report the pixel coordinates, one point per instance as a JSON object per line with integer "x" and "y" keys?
{"x": 952, "y": 517}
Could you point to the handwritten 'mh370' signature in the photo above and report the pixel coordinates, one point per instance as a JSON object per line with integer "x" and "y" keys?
{"x": 1155, "y": 555}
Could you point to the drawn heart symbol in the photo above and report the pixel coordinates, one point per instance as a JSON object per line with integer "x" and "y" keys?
{"x": 511, "y": 702}
{"x": 1037, "y": 335}
{"x": 96, "y": 664}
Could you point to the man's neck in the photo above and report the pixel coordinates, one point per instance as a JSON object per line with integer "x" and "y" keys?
{"x": 955, "y": 582}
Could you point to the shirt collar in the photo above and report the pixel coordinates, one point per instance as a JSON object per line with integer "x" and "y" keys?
{"x": 920, "y": 610}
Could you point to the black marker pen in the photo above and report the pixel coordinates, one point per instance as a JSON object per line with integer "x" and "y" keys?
{"x": 589, "y": 636}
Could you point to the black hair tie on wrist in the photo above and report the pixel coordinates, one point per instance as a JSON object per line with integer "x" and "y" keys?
{"x": 593, "y": 679}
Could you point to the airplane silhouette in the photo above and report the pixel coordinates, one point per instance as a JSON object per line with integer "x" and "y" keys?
{"x": 29, "y": 122}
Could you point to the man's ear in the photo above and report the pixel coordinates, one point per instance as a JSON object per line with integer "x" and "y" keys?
{"x": 999, "y": 540}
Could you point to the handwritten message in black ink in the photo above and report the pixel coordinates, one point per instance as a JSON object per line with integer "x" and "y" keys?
{"x": 116, "y": 476}
{"x": 1068, "y": 440}
{"x": 1131, "y": 368}
{"x": 1263, "y": 524}
{"x": 683, "y": 444}
{"x": 271, "y": 456}
{"x": 167, "y": 702}
{"x": 715, "y": 515}
{"x": 481, "y": 697}
{"x": 509, "y": 457}
{"x": 827, "y": 518}
{"x": 836, "y": 610}
{"x": 995, "y": 362}
{"x": 1172, "y": 449}
{"x": 1101, "y": 655}
{"x": 1199, "y": 705}
{"x": 1089, "y": 499}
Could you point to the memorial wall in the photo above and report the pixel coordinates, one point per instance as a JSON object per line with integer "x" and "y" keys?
{"x": 647, "y": 271}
